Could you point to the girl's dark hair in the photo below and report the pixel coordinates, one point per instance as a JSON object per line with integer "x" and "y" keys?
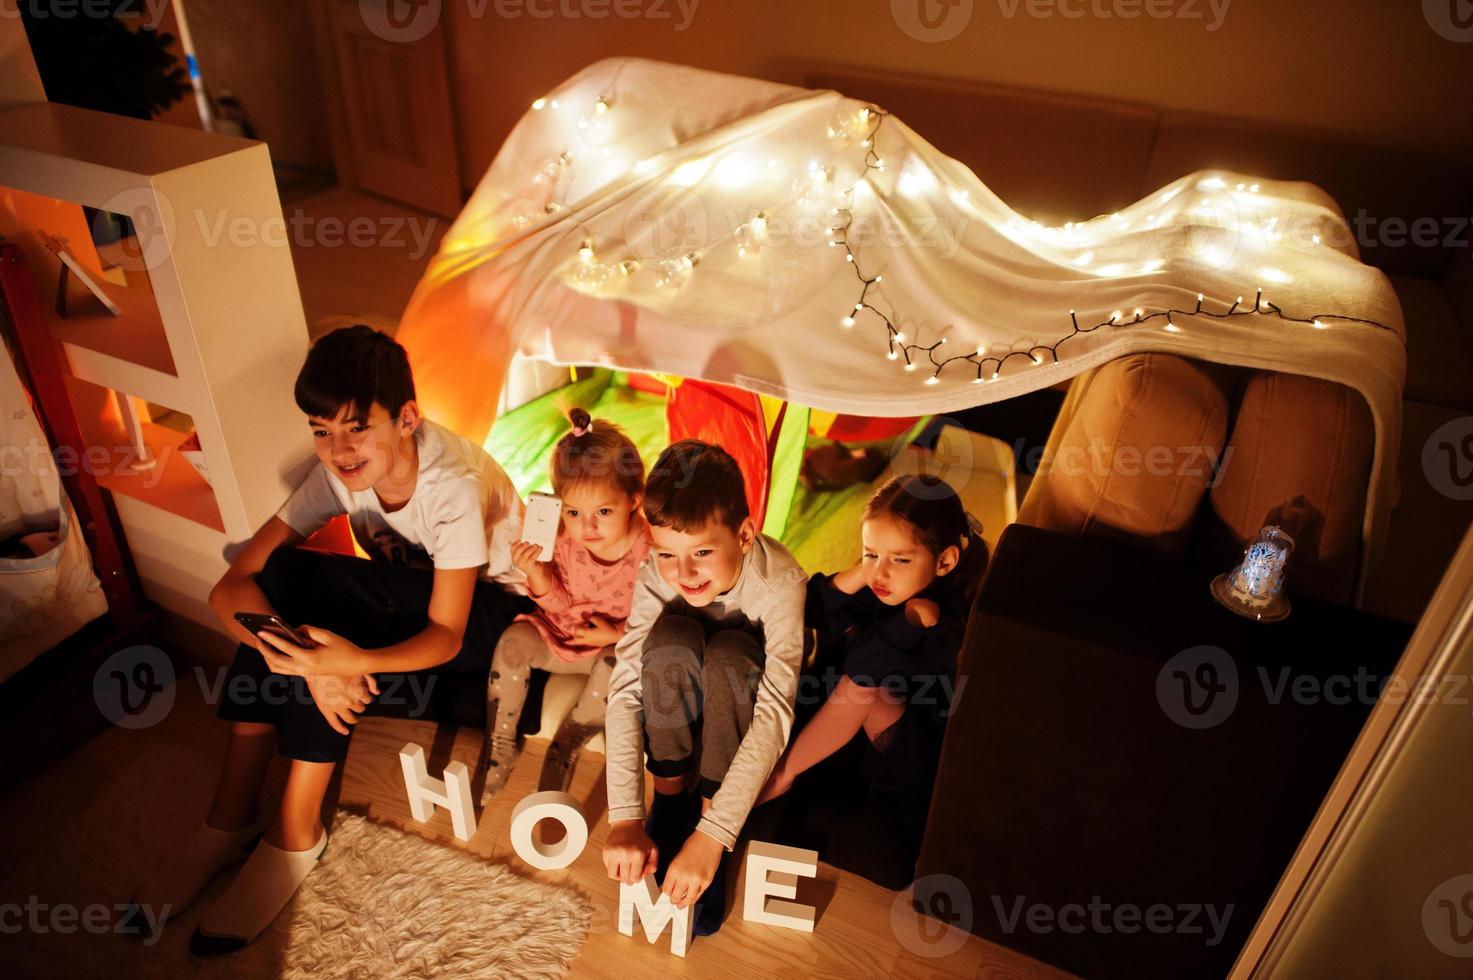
{"x": 602, "y": 453}
{"x": 354, "y": 367}
{"x": 934, "y": 511}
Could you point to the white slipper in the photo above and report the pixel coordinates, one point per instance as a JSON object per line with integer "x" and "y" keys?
{"x": 183, "y": 873}
{"x": 267, "y": 881}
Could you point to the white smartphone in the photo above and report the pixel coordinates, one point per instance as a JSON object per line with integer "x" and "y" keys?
{"x": 540, "y": 524}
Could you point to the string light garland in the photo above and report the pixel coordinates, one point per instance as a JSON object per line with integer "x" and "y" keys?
{"x": 750, "y": 236}
{"x": 899, "y": 348}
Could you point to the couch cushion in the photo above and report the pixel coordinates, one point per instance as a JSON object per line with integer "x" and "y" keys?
{"x": 1385, "y": 183}
{"x": 1459, "y": 285}
{"x": 1026, "y": 145}
{"x": 1131, "y": 453}
{"x": 1304, "y": 446}
{"x": 1439, "y": 348}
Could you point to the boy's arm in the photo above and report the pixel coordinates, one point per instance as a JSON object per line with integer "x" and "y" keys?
{"x": 450, "y": 607}
{"x": 237, "y": 590}
{"x": 624, "y": 716}
{"x": 459, "y": 547}
{"x": 772, "y": 718}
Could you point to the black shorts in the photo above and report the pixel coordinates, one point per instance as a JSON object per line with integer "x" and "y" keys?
{"x": 373, "y": 604}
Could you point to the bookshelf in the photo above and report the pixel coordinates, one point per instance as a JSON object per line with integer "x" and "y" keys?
{"x": 211, "y": 325}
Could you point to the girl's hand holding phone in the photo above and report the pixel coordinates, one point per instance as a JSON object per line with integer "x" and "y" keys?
{"x": 524, "y": 557}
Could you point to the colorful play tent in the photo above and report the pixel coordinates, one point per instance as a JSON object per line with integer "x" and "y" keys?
{"x": 812, "y": 249}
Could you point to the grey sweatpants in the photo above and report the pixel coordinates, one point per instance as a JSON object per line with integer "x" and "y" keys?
{"x": 691, "y": 681}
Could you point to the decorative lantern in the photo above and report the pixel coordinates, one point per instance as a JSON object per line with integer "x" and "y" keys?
{"x": 1255, "y": 588}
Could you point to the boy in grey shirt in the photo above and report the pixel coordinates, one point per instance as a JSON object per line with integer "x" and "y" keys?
{"x": 705, "y": 679}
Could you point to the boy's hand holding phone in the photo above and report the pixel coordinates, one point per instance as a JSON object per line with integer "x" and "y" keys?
{"x": 331, "y": 655}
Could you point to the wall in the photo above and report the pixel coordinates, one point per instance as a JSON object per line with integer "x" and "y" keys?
{"x": 1376, "y": 69}
{"x": 19, "y": 81}
{"x": 262, "y": 52}
{"x": 1398, "y": 902}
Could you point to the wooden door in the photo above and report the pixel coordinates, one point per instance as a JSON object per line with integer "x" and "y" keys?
{"x": 395, "y": 96}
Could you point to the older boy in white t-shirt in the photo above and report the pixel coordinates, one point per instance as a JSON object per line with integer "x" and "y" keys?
{"x": 437, "y": 516}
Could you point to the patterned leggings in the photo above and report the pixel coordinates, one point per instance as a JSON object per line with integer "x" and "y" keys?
{"x": 520, "y": 650}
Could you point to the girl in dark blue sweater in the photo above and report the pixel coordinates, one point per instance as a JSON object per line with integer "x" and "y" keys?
{"x": 893, "y": 625}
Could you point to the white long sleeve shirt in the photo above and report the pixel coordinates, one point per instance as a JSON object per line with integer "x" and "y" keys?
{"x": 769, "y": 594}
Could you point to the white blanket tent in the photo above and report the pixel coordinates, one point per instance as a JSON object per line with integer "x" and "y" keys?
{"x": 801, "y": 244}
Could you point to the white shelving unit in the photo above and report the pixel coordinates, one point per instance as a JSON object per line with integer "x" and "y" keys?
{"x": 211, "y": 325}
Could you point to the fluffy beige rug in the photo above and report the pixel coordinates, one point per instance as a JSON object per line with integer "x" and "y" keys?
{"x": 382, "y": 903}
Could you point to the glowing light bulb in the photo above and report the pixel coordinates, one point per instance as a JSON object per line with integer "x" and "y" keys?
{"x": 933, "y": 380}
{"x": 1319, "y": 324}
{"x": 848, "y": 258}
{"x": 1114, "y": 316}
{"x": 1315, "y": 239}
{"x": 554, "y": 104}
{"x": 858, "y": 307}
{"x": 879, "y": 278}
{"x": 900, "y": 336}
{"x": 848, "y": 321}
{"x": 995, "y": 375}
{"x": 1036, "y": 358}
{"x": 911, "y": 366}
{"x": 1137, "y": 312}
{"x": 585, "y": 252}
{"x": 892, "y": 355}
{"x": 539, "y": 104}
{"x": 1171, "y": 327}
{"x": 601, "y": 106}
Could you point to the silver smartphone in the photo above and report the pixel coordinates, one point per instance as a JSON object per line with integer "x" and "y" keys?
{"x": 539, "y": 525}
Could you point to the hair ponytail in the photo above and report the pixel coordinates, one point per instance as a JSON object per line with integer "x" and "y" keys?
{"x": 601, "y": 453}
{"x": 966, "y": 577}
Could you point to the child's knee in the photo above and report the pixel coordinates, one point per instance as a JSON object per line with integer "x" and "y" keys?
{"x": 517, "y": 649}
{"x": 731, "y": 665}
{"x": 286, "y": 572}
{"x": 675, "y": 632}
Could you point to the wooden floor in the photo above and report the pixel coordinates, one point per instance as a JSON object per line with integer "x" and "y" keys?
{"x": 859, "y": 924}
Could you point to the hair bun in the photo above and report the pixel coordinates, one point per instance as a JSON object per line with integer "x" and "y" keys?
{"x": 580, "y": 420}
